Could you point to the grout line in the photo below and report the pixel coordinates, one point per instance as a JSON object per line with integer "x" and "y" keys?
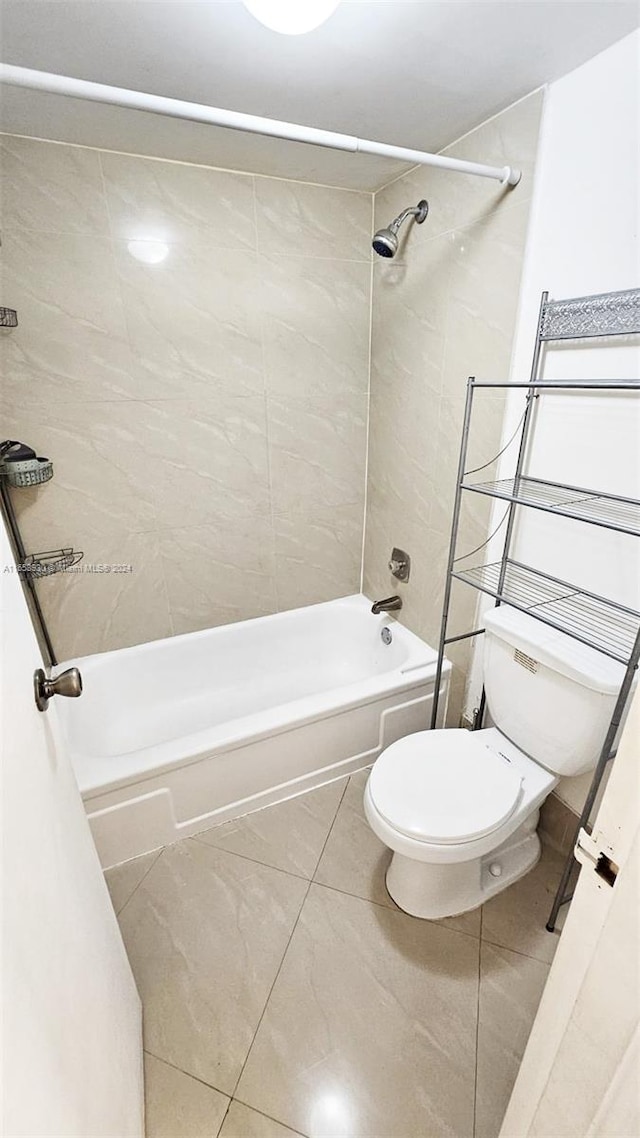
{"x": 397, "y": 911}
{"x": 184, "y": 243}
{"x": 182, "y": 1071}
{"x": 245, "y": 857}
{"x": 518, "y": 951}
{"x": 184, "y": 162}
{"x": 224, "y": 1118}
{"x": 310, "y": 883}
{"x": 269, "y": 1116}
{"x": 368, "y": 419}
{"x": 132, "y": 357}
{"x": 255, "y": 860}
{"x": 143, "y": 878}
{"x": 275, "y": 979}
{"x": 330, "y": 830}
{"x": 475, "y": 1078}
{"x": 261, "y": 260}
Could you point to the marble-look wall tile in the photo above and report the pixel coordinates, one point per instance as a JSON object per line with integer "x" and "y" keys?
{"x": 315, "y": 325}
{"x": 146, "y": 384}
{"x": 219, "y": 574}
{"x": 299, "y": 219}
{"x": 153, "y": 200}
{"x": 317, "y": 451}
{"x": 318, "y": 554}
{"x": 99, "y": 487}
{"x": 70, "y": 344}
{"x": 202, "y": 460}
{"x": 51, "y": 188}
{"x": 94, "y": 611}
{"x": 193, "y": 320}
{"x": 443, "y": 309}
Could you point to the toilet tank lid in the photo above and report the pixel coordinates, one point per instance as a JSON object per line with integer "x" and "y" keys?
{"x": 555, "y": 649}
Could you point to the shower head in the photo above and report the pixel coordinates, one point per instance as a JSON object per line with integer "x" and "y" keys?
{"x": 385, "y": 241}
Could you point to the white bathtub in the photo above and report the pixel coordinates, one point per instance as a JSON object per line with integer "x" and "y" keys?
{"x": 174, "y": 736}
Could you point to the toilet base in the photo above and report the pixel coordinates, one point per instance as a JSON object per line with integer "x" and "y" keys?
{"x": 428, "y": 890}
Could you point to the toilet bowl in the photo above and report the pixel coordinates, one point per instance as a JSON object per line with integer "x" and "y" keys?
{"x": 459, "y": 809}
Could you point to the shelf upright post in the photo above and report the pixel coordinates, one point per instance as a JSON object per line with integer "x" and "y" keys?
{"x": 522, "y": 454}
{"x": 29, "y": 584}
{"x": 524, "y": 439}
{"x": 606, "y": 755}
{"x": 468, "y": 407}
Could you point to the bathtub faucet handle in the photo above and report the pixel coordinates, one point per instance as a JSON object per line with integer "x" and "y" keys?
{"x": 68, "y": 683}
{"x": 400, "y": 564}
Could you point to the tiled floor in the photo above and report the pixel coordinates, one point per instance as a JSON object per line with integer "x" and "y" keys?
{"x": 285, "y": 994}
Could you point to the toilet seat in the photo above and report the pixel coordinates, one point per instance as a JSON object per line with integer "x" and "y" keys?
{"x": 444, "y": 787}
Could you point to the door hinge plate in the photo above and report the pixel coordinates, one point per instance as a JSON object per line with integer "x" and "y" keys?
{"x": 593, "y": 852}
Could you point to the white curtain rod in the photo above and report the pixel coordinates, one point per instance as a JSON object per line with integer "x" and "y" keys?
{"x": 234, "y": 120}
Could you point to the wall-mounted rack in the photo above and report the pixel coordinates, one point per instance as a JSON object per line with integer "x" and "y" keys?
{"x": 8, "y": 318}
{"x": 52, "y": 561}
{"x": 33, "y": 566}
{"x": 600, "y": 622}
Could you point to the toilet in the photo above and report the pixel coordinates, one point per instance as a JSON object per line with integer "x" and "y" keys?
{"x": 459, "y": 809}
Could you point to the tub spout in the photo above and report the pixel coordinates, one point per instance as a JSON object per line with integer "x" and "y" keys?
{"x": 390, "y": 604}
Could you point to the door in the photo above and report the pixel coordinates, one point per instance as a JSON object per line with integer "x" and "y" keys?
{"x": 71, "y": 1032}
{"x": 580, "y": 1074}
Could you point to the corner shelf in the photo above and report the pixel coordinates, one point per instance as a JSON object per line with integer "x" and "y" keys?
{"x": 598, "y": 622}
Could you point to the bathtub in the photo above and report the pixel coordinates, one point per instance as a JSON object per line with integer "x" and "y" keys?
{"x": 172, "y": 737}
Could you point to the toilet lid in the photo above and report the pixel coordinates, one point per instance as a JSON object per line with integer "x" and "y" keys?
{"x": 444, "y": 786}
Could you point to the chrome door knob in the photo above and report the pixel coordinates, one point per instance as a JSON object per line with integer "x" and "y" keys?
{"x": 68, "y": 683}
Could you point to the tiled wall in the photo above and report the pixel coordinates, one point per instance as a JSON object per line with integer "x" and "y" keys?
{"x": 443, "y": 309}
{"x": 206, "y": 415}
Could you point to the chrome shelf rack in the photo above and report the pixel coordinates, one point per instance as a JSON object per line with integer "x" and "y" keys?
{"x": 599, "y": 622}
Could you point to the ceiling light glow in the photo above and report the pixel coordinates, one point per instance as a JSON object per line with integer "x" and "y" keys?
{"x": 149, "y": 252}
{"x": 291, "y": 17}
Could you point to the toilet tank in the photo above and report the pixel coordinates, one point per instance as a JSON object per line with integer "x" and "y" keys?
{"x": 550, "y": 695}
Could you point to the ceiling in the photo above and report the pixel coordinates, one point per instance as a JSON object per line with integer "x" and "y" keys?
{"x": 416, "y": 73}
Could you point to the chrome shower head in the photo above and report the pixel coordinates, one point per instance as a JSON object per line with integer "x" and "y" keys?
{"x": 385, "y": 241}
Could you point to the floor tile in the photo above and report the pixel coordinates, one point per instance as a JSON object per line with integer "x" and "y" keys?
{"x": 516, "y": 918}
{"x": 355, "y": 860}
{"x": 177, "y": 1106}
{"x": 123, "y": 880}
{"x": 206, "y": 932}
{"x": 371, "y": 1026}
{"x": 289, "y": 835}
{"x": 243, "y": 1122}
{"x": 510, "y": 990}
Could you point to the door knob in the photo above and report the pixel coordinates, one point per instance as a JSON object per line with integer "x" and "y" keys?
{"x": 69, "y": 683}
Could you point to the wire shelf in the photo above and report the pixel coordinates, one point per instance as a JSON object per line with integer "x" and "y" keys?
{"x": 608, "y": 627}
{"x": 52, "y": 561}
{"x": 8, "y": 318}
{"x": 606, "y": 510}
{"x": 582, "y": 317}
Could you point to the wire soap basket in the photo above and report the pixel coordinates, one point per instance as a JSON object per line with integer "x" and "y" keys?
{"x": 20, "y": 466}
{"x": 36, "y": 565}
{"x": 8, "y": 318}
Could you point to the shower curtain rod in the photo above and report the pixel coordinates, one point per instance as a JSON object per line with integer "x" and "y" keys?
{"x": 235, "y": 120}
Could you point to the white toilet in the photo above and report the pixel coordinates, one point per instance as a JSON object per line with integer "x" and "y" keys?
{"x": 460, "y": 809}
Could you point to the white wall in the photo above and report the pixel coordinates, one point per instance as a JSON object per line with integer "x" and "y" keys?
{"x": 583, "y": 239}
{"x": 71, "y": 1016}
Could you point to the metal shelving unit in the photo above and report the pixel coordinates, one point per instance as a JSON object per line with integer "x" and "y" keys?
{"x": 599, "y": 622}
